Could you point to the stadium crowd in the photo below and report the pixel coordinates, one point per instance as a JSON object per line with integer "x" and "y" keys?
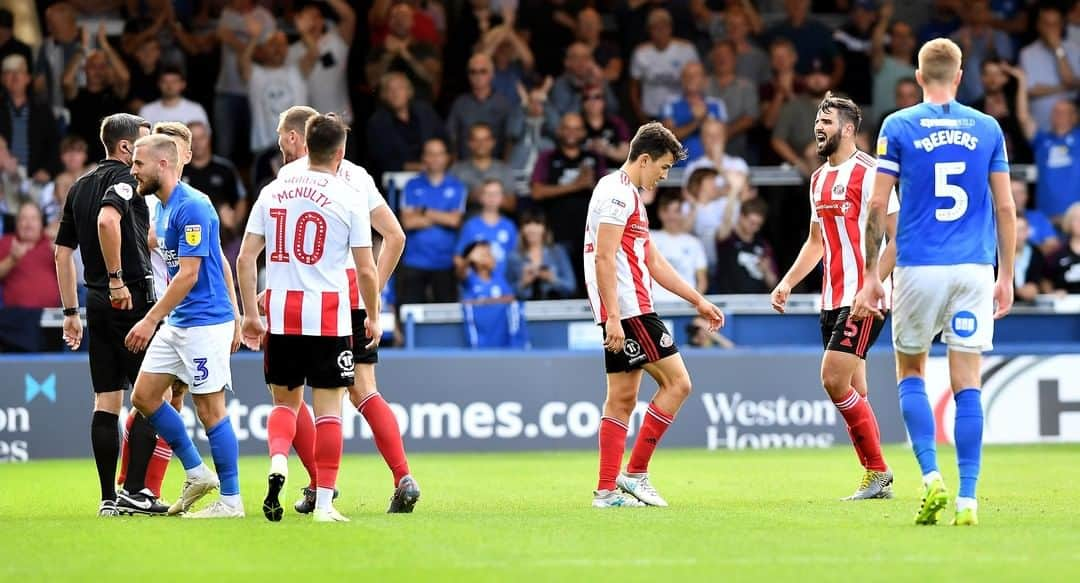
{"x": 509, "y": 111}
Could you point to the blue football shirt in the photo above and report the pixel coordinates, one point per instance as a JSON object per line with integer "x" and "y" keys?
{"x": 432, "y": 248}
{"x": 189, "y": 226}
{"x": 943, "y": 155}
{"x": 502, "y": 236}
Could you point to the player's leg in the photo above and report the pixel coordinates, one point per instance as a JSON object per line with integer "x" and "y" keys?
{"x": 328, "y": 449}
{"x": 622, "y": 391}
{"x": 304, "y": 445}
{"x": 159, "y": 464}
{"x": 280, "y": 431}
{"x": 364, "y": 395}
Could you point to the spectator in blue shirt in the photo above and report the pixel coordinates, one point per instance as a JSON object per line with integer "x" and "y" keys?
{"x": 539, "y": 268}
{"x": 684, "y": 115}
{"x": 488, "y": 226}
{"x": 1041, "y": 232}
{"x": 1057, "y": 158}
{"x": 432, "y": 207}
{"x": 493, "y": 317}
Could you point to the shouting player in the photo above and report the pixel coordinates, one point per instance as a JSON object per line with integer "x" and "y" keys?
{"x": 839, "y": 193}
{"x": 196, "y": 343}
{"x": 363, "y": 393}
{"x": 619, "y": 272}
{"x": 954, "y": 182}
{"x": 314, "y": 218}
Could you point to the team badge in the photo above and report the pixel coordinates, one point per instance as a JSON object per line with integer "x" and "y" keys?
{"x": 193, "y": 234}
{"x": 665, "y": 340}
{"x": 839, "y": 189}
{"x": 882, "y": 146}
{"x": 123, "y": 190}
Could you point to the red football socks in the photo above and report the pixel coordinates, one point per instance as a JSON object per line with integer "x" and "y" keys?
{"x": 384, "y": 428}
{"x": 125, "y": 453}
{"x": 612, "y": 446}
{"x": 281, "y": 429}
{"x": 304, "y": 442}
{"x": 862, "y": 426}
{"x": 328, "y": 447}
{"x": 159, "y": 464}
{"x": 653, "y": 427}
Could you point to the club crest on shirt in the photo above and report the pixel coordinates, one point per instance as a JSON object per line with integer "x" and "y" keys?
{"x": 123, "y": 190}
{"x": 193, "y": 234}
{"x": 839, "y": 189}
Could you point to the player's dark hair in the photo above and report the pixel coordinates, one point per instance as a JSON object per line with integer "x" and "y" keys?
{"x": 754, "y": 206}
{"x": 846, "y": 109}
{"x": 324, "y": 134}
{"x": 656, "y": 140}
{"x": 119, "y": 127}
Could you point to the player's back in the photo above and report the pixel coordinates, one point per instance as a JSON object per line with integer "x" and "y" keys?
{"x": 308, "y": 218}
{"x": 943, "y": 156}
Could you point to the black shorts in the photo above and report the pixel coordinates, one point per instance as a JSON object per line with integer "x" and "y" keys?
{"x": 647, "y": 340}
{"x": 842, "y": 334}
{"x": 112, "y": 366}
{"x": 321, "y": 362}
{"x": 360, "y": 338}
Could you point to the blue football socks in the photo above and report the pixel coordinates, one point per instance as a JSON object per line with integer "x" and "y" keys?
{"x": 968, "y": 435}
{"x": 170, "y": 426}
{"x": 226, "y": 452}
{"x": 919, "y": 420}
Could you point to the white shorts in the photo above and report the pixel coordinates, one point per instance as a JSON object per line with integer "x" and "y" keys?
{"x": 956, "y": 300}
{"x": 199, "y": 356}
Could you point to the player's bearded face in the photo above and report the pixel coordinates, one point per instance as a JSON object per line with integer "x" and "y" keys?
{"x": 827, "y": 144}
{"x": 149, "y": 180}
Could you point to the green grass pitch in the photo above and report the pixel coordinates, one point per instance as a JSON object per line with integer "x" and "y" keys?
{"x": 765, "y": 515}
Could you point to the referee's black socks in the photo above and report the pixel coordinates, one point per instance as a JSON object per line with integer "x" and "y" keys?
{"x": 142, "y": 439}
{"x": 105, "y": 439}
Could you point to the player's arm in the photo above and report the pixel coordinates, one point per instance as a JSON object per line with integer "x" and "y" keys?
{"x": 387, "y": 225}
{"x": 230, "y": 286}
{"x": 664, "y": 274}
{"x": 367, "y": 275}
{"x": 809, "y": 256}
{"x": 252, "y": 329}
{"x": 179, "y": 287}
{"x": 608, "y": 236}
{"x": 876, "y": 223}
{"x": 888, "y": 256}
{"x": 1005, "y": 217}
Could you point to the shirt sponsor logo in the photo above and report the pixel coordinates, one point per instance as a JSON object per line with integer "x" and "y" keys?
{"x": 946, "y": 123}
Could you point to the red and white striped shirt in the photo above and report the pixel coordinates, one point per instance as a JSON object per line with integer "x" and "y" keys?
{"x": 358, "y": 178}
{"x": 615, "y": 201}
{"x": 311, "y": 221}
{"x": 840, "y": 198}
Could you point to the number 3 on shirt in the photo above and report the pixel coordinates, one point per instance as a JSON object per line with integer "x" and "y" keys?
{"x": 280, "y": 254}
{"x": 942, "y": 188}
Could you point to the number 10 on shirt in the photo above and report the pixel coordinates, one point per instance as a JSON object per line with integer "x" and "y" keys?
{"x": 309, "y": 218}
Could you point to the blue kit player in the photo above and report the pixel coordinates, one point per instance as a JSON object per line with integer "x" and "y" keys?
{"x": 957, "y": 219}
{"x": 196, "y": 342}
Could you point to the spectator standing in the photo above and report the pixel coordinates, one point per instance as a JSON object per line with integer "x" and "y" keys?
{"x": 27, "y": 125}
{"x": 1057, "y": 159}
{"x": 9, "y": 45}
{"x": 751, "y": 61}
{"x": 480, "y": 105}
{"x": 540, "y": 269}
{"x": 739, "y": 95}
{"x": 789, "y": 137}
{"x": 432, "y": 208}
{"x": 1041, "y": 231}
{"x": 480, "y": 167}
{"x": 562, "y": 184}
{"x": 606, "y": 134}
{"x": 745, "y": 262}
{"x": 57, "y": 50}
{"x": 173, "y": 106}
{"x": 531, "y": 127}
{"x": 1052, "y": 65}
{"x": 683, "y": 251}
{"x": 943, "y": 21}
{"x": 893, "y": 64}
{"x": 1004, "y": 90}
{"x": 232, "y": 110}
{"x": 978, "y": 42}
{"x": 550, "y": 26}
{"x": 27, "y": 270}
{"x": 685, "y": 114}
{"x": 489, "y": 226}
{"x": 715, "y": 196}
{"x": 1030, "y": 264}
{"x": 1063, "y": 269}
{"x": 581, "y": 71}
{"x": 471, "y": 24}
{"x": 273, "y": 85}
{"x": 144, "y": 68}
{"x": 105, "y": 91}
{"x": 812, "y": 39}
{"x": 400, "y": 127}
{"x": 784, "y": 85}
{"x": 854, "y": 40}
{"x": 656, "y": 67}
{"x": 403, "y": 52}
{"x": 217, "y": 177}
{"x": 14, "y": 187}
{"x": 513, "y": 61}
{"x": 605, "y": 54}
{"x": 73, "y": 159}
{"x": 322, "y": 54}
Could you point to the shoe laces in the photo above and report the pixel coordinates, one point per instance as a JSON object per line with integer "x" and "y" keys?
{"x": 867, "y": 479}
{"x": 647, "y": 486}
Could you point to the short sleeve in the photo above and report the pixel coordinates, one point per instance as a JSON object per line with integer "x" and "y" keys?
{"x": 999, "y": 162}
{"x": 814, "y": 218}
{"x": 194, "y": 225}
{"x": 616, "y": 207}
{"x": 888, "y": 147}
{"x": 67, "y": 235}
{"x": 256, "y": 224}
{"x": 119, "y": 196}
{"x": 359, "y": 226}
{"x": 367, "y": 186}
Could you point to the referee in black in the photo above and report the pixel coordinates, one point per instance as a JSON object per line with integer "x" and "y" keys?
{"x": 106, "y": 217}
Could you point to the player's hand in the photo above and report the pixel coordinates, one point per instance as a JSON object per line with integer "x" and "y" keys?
{"x": 614, "y": 337}
{"x": 73, "y": 331}
{"x": 867, "y": 300}
{"x": 120, "y": 297}
{"x": 236, "y": 337}
{"x": 138, "y": 338}
{"x": 711, "y": 314}
{"x": 779, "y": 296}
{"x": 1003, "y": 297}
{"x": 372, "y": 330}
{"x": 252, "y": 332}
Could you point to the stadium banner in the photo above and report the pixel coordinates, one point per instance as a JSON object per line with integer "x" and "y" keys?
{"x": 477, "y": 401}
{"x": 1026, "y": 398}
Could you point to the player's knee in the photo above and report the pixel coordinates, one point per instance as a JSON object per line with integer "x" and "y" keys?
{"x": 209, "y": 411}
{"x": 679, "y": 387}
{"x": 143, "y": 402}
{"x": 621, "y": 406}
{"x": 834, "y": 382}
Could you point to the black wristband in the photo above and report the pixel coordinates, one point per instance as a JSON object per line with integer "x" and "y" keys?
{"x": 71, "y": 311}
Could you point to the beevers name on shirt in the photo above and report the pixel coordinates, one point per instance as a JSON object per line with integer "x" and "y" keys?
{"x": 948, "y": 137}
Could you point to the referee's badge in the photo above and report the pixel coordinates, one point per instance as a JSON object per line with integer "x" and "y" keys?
{"x": 123, "y": 190}
{"x": 193, "y": 234}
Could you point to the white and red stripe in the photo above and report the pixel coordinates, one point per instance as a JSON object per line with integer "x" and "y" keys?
{"x": 310, "y": 221}
{"x": 616, "y": 201}
{"x": 849, "y": 401}
{"x": 840, "y": 197}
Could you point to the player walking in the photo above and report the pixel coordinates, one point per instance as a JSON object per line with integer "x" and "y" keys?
{"x": 363, "y": 393}
{"x": 944, "y": 155}
{"x": 839, "y": 193}
{"x": 619, "y": 272}
{"x": 309, "y": 214}
{"x": 196, "y": 343}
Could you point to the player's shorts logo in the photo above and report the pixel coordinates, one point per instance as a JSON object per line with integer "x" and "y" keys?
{"x": 632, "y": 348}
{"x": 964, "y": 324}
{"x": 345, "y": 361}
{"x": 665, "y": 340}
